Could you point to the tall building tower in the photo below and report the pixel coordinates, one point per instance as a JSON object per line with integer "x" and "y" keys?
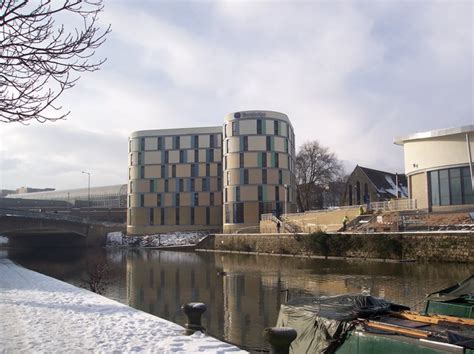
{"x": 259, "y": 165}
{"x": 175, "y": 180}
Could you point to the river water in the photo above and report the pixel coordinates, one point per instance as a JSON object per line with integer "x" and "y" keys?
{"x": 243, "y": 293}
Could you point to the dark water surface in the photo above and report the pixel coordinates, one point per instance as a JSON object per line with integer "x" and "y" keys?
{"x": 243, "y": 292}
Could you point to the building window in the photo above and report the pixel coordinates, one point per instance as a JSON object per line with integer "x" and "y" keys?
{"x": 225, "y": 162}
{"x": 246, "y": 176}
{"x": 193, "y": 187}
{"x": 260, "y": 193}
{"x": 142, "y": 171}
{"x": 219, "y": 183}
{"x": 196, "y": 199}
{"x": 142, "y": 200}
{"x": 167, "y": 157}
{"x": 142, "y": 144}
{"x": 166, "y": 185}
{"x": 225, "y": 195}
{"x": 194, "y": 168}
{"x": 264, "y": 176}
{"x": 162, "y": 216}
{"x": 219, "y": 170}
{"x": 350, "y": 194}
{"x": 208, "y": 169}
{"x": 444, "y": 187}
{"x": 246, "y": 143}
{"x": 241, "y": 160}
{"x": 192, "y": 216}
{"x": 177, "y": 216}
{"x": 152, "y": 185}
{"x": 177, "y": 142}
{"x": 196, "y": 155}
{"x": 450, "y": 187}
{"x": 129, "y": 146}
{"x": 177, "y": 199}
{"x": 211, "y": 140}
{"x": 181, "y": 156}
{"x": 211, "y": 199}
{"x": 276, "y": 127}
{"x": 131, "y": 187}
{"x": 204, "y": 185}
{"x": 173, "y": 171}
{"x": 238, "y": 213}
{"x": 181, "y": 185}
{"x": 277, "y": 160}
{"x": 264, "y": 159}
{"x": 158, "y": 200}
{"x": 152, "y": 217}
{"x": 228, "y": 213}
{"x": 269, "y": 143}
{"x": 259, "y": 126}
{"x": 280, "y": 177}
{"x": 227, "y": 146}
{"x": 237, "y": 194}
{"x": 277, "y": 193}
{"x": 211, "y": 155}
{"x": 163, "y": 174}
{"x": 196, "y": 141}
{"x": 235, "y": 127}
{"x": 160, "y": 143}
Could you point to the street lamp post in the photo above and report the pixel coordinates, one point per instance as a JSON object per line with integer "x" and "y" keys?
{"x": 88, "y": 187}
{"x": 286, "y": 197}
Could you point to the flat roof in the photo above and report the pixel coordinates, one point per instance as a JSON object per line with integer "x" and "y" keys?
{"x": 433, "y": 134}
{"x": 256, "y": 114}
{"x": 176, "y": 131}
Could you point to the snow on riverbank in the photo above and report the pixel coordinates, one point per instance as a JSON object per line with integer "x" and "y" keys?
{"x": 42, "y": 314}
{"x": 158, "y": 240}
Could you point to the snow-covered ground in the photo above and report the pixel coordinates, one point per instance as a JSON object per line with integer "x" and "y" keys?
{"x": 42, "y": 314}
{"x": 159, "y": 240}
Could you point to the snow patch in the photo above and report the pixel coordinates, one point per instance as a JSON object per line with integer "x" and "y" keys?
{"x": 42, "y": 314}
{"x": 157, "y": 240}
{"x": 3, "y": 240}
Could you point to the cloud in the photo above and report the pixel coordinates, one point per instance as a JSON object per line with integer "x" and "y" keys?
{"x": 352, "y": 75}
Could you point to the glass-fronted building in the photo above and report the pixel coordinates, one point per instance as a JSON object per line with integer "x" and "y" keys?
{"x": 438, "y": 165}
{"x": 212, "y": 178}
{"x": 114, "y": 196}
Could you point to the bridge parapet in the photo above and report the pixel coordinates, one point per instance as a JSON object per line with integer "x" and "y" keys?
{"x": 42, "y": 215}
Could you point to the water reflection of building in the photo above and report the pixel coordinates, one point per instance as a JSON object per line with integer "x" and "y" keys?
{"x": 244, "y": 292}
{"x": 160, "y": 282}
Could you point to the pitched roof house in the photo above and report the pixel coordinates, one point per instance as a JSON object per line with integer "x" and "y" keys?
{"x": 368, "y": 185}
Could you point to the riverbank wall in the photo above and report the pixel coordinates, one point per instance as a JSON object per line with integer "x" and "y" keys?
{"x": 440, "y": 246}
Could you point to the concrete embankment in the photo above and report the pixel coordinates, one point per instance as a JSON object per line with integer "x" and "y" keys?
{"x": 40, "y": 314}
{"x": 443, "y": 246}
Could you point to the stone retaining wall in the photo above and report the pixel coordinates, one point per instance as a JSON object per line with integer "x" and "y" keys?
{"x": 447, "y": 246}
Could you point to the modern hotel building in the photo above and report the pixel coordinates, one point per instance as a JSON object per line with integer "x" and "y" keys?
{"x": 211, "y": 178}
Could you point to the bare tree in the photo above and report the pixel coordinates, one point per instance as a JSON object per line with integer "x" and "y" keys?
{"x": 316, "y": 169}
{"x": 40, "y": 58}
{"x": 98, "y": 276}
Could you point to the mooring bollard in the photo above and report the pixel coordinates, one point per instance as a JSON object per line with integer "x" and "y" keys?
{"x": 279, "y": 338}
{"x": 193, "y": 311}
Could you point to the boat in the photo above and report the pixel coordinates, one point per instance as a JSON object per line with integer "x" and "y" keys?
{"x": 363, "y": 324}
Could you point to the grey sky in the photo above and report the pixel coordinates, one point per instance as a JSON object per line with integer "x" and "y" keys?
{"x": 352, "y": 75}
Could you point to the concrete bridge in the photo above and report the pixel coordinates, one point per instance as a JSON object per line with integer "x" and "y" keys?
{"x": 42, "y": 229}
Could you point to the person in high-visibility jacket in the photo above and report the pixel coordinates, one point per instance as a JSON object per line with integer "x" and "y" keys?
{"x": 344, "y": 222}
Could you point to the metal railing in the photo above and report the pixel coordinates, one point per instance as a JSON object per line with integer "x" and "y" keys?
{"x": 42, "y": 215}
{"x": 394, "y": 205}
